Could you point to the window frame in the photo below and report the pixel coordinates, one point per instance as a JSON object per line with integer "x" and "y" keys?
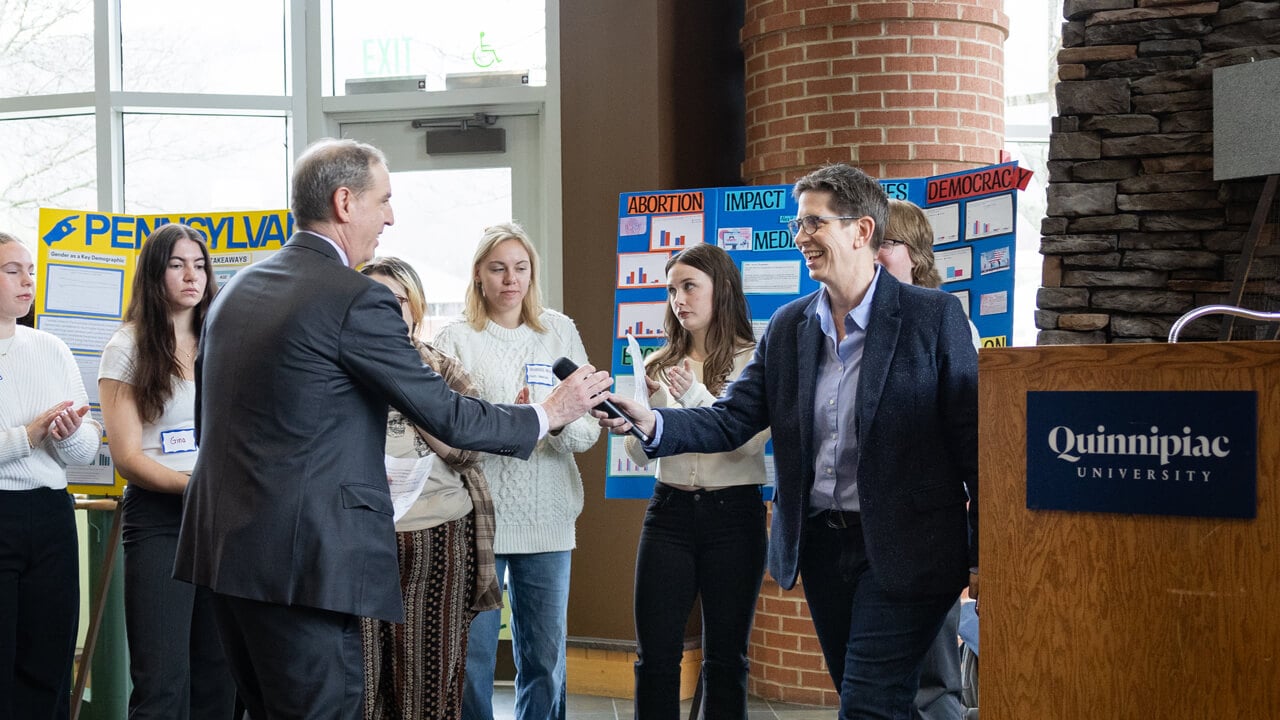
{"x": 308, "y": 113}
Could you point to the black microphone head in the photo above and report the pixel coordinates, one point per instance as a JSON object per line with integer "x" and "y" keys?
{"x": 564, "y": 367}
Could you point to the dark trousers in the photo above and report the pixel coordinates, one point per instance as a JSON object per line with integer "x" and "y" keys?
{"x": 939, "y": 697}
{"x": 39, "y": 603}
{"x": 176, "y": 663}
{"x": 873, "y": 642}
{"x": 708, "y": 544}
{"x": 292, "y": 662}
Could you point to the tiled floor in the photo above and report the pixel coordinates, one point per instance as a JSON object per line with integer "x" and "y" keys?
{"x": 587, "y": 707}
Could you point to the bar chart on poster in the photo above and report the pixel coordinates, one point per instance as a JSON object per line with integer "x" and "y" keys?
{"x": 638, "y": 270}
{"x": 673, "y": 232}
{"x": 989, "y": 217}
{"x": 641, "y": 319}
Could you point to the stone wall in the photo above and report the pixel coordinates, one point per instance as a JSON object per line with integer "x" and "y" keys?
{"x": 1137, "y": 230}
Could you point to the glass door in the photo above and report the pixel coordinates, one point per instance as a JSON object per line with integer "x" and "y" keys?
{"x": 443, "y": 203}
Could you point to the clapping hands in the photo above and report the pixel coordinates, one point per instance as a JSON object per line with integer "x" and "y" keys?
{"x": 60, "y": 421}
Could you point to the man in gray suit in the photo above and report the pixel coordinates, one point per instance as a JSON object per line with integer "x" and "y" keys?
{"x": 288, "y": 517}
{"x": 870, "y": 387}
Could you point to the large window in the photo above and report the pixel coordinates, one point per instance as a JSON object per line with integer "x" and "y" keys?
{"x": 48, "y": 162}
{"x": 46, "y": 47}
{"x": 197, "y": 120}
{"x": 440, "y": 216}
{"x": 1034, "y": 39}
{"x": 155, "y": 107}
{"x": 176, "y": 163}
{"x": 208, "y": 102}
{"x": 229, "y": 46}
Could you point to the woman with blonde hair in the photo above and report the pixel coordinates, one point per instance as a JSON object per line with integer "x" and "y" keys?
{"x": 43, "y": 428}
{"x": 907, "y": 248}
{"x": 445, "y": 547}
{"x": 508, "y": 342}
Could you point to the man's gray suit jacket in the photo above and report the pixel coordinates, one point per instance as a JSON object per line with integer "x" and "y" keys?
{"x": 288, "y": 503}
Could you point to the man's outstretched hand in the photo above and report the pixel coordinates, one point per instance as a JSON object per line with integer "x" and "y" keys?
{"x": 643, "y": 416}
{"x": 576, "y": 395}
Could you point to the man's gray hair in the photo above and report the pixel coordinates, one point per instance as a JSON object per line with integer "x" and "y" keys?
{"x": 325, "y": 166}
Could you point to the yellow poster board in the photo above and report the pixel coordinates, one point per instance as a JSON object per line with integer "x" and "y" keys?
{"x": 85, "y": 267}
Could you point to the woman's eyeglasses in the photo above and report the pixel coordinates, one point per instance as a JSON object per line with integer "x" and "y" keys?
{"x": 811, "y": 223}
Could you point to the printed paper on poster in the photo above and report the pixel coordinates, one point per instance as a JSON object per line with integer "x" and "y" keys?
{"x": 780, "y": 277}
{"x": 84, "y": 290}
{"x": 945, "y": 221}
{"x": 994, "y": 303}
{"x": 954, "y": 265}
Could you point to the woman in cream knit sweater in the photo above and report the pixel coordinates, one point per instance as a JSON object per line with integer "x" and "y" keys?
{"x": 508, "y": 343}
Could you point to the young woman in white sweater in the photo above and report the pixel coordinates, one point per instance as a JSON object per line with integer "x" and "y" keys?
{"x": 704, "y": 531}
{"x": 43, "y": 429}
{"x": 508, "y": 342}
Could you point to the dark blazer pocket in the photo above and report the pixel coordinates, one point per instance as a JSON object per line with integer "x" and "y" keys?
{"x": 367, "y": 496}
{"x": 938, "y": 496}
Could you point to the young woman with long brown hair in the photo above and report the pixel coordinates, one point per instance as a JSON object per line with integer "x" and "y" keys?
{"x": 147, "y": 387}
{"x": 704, "y": 531}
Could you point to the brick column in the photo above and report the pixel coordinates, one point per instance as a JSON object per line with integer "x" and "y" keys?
{"x": 900, "y": 89}
{"x": 786, "y": 661}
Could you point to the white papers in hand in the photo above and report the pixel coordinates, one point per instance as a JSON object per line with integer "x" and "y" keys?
{"x": 637, "y": 367}
{"x": 407, "y": 477}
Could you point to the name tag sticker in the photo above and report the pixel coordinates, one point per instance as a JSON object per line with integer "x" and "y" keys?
{"x": 178, "y": 441}
{"x": 535, "y": 374}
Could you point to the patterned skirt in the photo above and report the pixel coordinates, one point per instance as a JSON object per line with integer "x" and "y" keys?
{"x": 415, "y": 671}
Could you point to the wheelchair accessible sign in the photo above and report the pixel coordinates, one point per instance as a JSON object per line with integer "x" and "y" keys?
{"x": 1154, "y": 453}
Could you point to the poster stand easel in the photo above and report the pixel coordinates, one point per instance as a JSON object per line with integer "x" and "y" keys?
{"x": 99, "y": 598}
{"x": 1247, "y": 254}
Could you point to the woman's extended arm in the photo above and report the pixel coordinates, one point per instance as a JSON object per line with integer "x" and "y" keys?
{"x": 124, "y": 427}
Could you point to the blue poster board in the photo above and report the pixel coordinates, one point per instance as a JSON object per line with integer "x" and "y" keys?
{"x": 973, "y": 214}
{"x": 974, "y": 217}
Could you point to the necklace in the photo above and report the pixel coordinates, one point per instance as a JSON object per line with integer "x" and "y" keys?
{"x": 9, "y": 345}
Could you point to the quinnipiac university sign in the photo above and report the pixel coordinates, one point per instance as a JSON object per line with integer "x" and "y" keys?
{"x": 1155, "y": 453}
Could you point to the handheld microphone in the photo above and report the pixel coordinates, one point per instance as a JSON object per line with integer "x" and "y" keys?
{"x": 564, "y": 367}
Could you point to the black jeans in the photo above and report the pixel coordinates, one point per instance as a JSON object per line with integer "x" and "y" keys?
{"x": 873, "y": 642}
{"x": 176, "y": 663}
{"x": 710, "y": 544}
{"x": 39, "y": 603}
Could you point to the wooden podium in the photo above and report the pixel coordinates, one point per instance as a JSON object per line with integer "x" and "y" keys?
{"x": 1101, "y": 615}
